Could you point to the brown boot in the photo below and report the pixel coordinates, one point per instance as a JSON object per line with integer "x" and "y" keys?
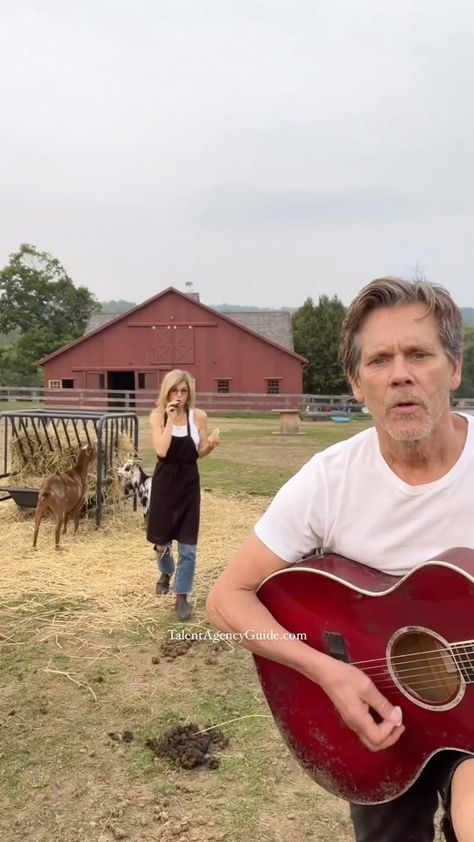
{"x": 183, "y": 610}
{"x": 163, "y": 584}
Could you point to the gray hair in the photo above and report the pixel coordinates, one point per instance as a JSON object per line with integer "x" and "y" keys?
{"x": 392, "y": 292}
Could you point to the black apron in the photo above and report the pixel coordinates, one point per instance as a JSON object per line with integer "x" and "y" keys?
{"x": 175, "y": 493}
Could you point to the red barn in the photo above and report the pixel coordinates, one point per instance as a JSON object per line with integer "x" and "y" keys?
{"x": 175, "y": 330}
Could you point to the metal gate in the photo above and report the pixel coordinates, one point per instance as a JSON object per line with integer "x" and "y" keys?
{"x": 26, "y": 426}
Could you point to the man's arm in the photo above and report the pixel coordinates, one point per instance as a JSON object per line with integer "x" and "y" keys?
{"x": 233, "y": 606}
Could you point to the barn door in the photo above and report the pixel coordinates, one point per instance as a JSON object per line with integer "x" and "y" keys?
{"x": 162, "y": 347}
{"x": 183, "y": 345}
{"x": 95, "y": 379}
{"x": 173, "y": 345}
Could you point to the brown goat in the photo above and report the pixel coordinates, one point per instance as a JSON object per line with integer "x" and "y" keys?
{"x": 63, "y": 494}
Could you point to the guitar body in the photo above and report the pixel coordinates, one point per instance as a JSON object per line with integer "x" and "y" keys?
{"x": 413, "y": 635}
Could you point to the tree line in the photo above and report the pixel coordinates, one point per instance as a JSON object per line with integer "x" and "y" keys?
{"x": 41, "y": 310}
{"x": 316, "y": 332}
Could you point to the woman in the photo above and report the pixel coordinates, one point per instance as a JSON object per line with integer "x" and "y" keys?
{"x": 179, "y": 433}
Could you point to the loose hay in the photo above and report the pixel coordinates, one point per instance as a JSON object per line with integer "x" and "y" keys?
{"x": 105, "y": 578}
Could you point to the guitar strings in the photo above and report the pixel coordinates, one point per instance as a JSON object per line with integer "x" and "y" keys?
{"x": 415, "y": 670}
{"x": 418, "y": 680}
{"x": 438, "y": 651}
{"x": 402, "y": 665}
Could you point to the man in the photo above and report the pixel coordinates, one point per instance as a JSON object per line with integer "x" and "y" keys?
{"x": 402, "y": 349}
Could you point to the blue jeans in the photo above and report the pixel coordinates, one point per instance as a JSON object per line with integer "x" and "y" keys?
{"x": 183, "y": 580}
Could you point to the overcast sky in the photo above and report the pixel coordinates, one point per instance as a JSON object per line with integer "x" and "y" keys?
{"x": 264, "y": 150}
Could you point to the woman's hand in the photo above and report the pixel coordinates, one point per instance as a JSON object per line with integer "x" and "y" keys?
{"x": 213, "y": 439}
{"x": 171, "y": 408}
{"x": 208, "y": 443}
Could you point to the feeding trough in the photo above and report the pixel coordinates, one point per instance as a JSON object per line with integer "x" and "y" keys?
{"x": 38, "y": 443}
{"x": 24, "y": 497}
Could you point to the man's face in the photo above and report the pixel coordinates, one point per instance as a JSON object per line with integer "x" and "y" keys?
{"x": 405, "y": 376}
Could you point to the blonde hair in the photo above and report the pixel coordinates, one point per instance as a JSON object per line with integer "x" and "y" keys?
{"x": 169, "y": 382}
{"x": 392, "y": 292}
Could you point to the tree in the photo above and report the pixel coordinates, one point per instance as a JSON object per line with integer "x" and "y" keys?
{"x": 40, "y": 310}
{"x": 36, "y": 292}
{"x": 316, "y": 331}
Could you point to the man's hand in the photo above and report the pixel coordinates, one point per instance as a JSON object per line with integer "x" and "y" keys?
{"x": 356, "y": 699}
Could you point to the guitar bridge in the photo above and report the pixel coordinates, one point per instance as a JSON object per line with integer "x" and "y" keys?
{"x": 336, "y": 646}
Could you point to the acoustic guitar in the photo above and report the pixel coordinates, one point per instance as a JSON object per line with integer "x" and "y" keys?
{"x": 412, "y": 634}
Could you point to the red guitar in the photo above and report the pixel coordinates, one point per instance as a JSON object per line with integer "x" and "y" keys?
{"x": 413, "y": 635}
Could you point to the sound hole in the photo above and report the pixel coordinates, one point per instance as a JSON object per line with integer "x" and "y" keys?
{"x": 424, "y": 667}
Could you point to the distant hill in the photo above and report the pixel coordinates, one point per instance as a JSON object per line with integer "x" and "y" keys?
{"x": 116, "y": 307}
{"x": 467, "y": 312}
{"x": 468, "y": 315}
{"x": 244, "y": 308}
{"x": 122, "y": 306}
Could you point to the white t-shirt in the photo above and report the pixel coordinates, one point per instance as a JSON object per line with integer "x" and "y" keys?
{"x": 347, "y": 500}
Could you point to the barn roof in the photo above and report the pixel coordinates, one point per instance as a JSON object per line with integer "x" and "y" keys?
{"x": 274, "y": 325}
{"x": 270, "y": 328}
{"x": 99, "y": 320}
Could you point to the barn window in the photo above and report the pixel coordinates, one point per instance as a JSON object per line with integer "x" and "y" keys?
{"x": 223, "y": 386}
{"x": 102, "y": 381}
{"x": 273, "y": 386}
{"x": 67, "y": 383}
{"x": 55, "y": 384}
{"x": 141, "y": 380}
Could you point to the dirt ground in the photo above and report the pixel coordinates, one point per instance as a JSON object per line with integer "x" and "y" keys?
{"x": 114, "y": 724}
{"x": 96, "y": 776}
{"x": 93, "y": 676}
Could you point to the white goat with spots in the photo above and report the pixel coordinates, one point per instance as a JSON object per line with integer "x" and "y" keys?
{"x": 136, "y": 480}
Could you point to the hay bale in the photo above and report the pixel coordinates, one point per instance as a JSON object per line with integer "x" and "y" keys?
{"x": 36, "y": 456}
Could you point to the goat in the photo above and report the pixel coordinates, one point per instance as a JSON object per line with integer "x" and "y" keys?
{"x": 138, "y": 481}
{"x": 63, "y": 495}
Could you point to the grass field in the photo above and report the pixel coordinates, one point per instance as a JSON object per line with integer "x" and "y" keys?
{"x": 88, "y": 673}
{"x": 253, "y": 457}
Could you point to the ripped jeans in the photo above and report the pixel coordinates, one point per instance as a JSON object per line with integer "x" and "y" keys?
{"x": 183, "y": 580}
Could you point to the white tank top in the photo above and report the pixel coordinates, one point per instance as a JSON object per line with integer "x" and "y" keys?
{"x": 182, "y": 431}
